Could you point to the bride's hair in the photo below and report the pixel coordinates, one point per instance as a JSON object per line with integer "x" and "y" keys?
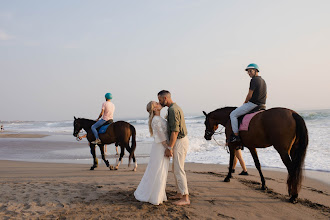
{"x": 150, "y": 109}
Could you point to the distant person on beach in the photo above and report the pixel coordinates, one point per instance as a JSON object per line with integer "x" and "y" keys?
{"x": 153, "y": 183}
{"x": 256, "y": 97}
{"x": 178, "y": 145}
{"x": 2, "y": 128}
{"x": 105, "y": 149}
{"x": 108, "y": 108}
{"x": 238, "y": 157}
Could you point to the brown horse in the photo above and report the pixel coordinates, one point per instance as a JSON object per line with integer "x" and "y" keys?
{"x": 118, "y": 132}
{"x": 279, "y": 127}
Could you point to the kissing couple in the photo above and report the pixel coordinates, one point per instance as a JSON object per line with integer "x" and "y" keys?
{"x": 170, "y": 140}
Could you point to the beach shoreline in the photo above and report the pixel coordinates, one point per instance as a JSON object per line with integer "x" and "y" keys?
{"x": 20, "y": 141}
{"x": 72, "y": 191}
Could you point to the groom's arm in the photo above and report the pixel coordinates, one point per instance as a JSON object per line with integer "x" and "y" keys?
{"x": 164, "y": 143}
{"x": 173, "y": 138}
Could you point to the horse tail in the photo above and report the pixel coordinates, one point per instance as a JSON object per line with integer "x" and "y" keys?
{"x": 133, "y": 147}
{"x": 299, "y": 153}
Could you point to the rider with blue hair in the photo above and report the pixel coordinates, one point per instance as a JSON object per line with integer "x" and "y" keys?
{"x": 108, "y": 108}
{"x": 256, "y": 97}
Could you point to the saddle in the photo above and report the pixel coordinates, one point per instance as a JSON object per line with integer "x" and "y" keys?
{"x": 104, "y": 127}
{"x": 243, "y": 124}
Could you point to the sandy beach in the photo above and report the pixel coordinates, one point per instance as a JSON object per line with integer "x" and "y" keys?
{"x": 13, "y": 135}
{"x": 71, "y": 191}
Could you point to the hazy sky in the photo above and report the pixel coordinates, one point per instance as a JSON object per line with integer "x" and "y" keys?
{"x": 59, "y": 58}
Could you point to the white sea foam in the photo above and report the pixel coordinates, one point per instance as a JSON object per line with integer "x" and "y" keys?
{"x": 202, "y": 151}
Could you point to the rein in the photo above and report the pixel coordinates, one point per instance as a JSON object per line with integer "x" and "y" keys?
{"x": 218, "y": 133}
{"x": 77, "y": 138}
{"x": 83, "y": 128}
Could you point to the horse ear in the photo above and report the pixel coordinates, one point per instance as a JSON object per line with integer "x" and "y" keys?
{"x": 204, "y": 113}
{"x": 74, "y": 117}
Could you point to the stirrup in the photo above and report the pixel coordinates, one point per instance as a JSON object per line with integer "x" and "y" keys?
{"x": 97, "y": 141}
{"x": 234, "y": 138}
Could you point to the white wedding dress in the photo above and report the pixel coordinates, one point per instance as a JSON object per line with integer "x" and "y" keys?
{"x": 152, "y": 186}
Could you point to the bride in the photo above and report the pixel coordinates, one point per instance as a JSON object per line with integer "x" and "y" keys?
{"x": 152, "y": 186}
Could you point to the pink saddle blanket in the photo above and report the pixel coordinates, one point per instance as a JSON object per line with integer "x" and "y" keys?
{"x": 246, "y": 121}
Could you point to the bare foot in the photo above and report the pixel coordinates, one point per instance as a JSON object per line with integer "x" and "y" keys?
{"x": 182, "y": 202}
{"x": 177, "y": 196}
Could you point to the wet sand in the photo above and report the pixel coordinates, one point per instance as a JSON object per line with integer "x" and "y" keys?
{"x": 18, "y": 135}
{"x": 71, "y": 191}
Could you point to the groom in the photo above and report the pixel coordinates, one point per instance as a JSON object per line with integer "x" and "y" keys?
{"x": 178, "y": 145}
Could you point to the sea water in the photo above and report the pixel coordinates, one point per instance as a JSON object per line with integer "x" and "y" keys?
{"x": 200, "y": 150}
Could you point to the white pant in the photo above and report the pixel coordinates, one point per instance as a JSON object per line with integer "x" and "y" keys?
{"x": 179, "y": 156}
{"x": 245, "y": 108}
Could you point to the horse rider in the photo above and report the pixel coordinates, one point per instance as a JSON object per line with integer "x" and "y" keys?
{"x": 256, "y": 97}
{"x": 108, "y": 108}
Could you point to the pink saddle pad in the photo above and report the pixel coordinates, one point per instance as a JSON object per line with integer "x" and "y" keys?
{"x": 246, "y": 121}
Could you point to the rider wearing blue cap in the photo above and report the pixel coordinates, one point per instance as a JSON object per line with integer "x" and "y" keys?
{"x": 256, "y": 97}
{"x": 108, "y": 108}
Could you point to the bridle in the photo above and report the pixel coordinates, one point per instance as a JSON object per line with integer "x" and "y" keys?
{"x": 76, "y": 134}
{"x": 213, "y": 133}
{"x": 77, "y": 137}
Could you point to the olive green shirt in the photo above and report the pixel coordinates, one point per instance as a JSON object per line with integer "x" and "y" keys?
{"x": 175, "y": 121}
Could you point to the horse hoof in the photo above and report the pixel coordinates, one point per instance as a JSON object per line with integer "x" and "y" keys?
{"x": 264, "y": 188}
{"x": 227, "y": 179}
{"x": 111, "y": 168}
{"x": 134, "y": 169}
{"x": 116, "y": 168}
{"x": 92, "y": 168}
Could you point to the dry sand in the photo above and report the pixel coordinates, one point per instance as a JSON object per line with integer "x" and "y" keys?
{"x": 72, "y": 191}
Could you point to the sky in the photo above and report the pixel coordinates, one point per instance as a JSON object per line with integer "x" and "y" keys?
{"x": 59, "y": 58}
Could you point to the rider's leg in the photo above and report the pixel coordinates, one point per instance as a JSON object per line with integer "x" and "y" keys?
{"x": 95, "y": 126}
{"x": 245, "y": 108}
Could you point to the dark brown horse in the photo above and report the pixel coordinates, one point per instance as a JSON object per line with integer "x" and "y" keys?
{"x": 279, "y": 127}
{"x": 118, "y": 132}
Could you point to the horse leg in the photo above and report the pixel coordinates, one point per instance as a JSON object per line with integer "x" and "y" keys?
{"x": 295, "y": 182}
{"x": 292, "y": 189}
{"x": 231, "y": 162}
{"x": 95, "y": 161}
{"x": 257, "y": 164}
{"x": 129, "y": 150}
{"x": 135, "y": 163}
{"x": 101, "y": 146}
{"x": 122, "y": 150}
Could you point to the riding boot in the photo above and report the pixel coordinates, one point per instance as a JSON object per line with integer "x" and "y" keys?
{"x": 234, "y": 138}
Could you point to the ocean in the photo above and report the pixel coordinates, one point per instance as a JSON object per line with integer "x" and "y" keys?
{"x": 200, "y": 150}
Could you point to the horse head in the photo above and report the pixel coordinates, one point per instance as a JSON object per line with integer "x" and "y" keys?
{"x": 76, "y": 126}
{"x": 210, "y": 126}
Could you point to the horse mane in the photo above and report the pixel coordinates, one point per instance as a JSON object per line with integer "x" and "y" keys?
{"x": 221, "y": 115}
{"x": 223, "y": 109}
{"x": 88, "y": 120}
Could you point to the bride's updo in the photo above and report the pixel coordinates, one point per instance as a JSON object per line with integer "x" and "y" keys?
{"x": 150, "y": 109}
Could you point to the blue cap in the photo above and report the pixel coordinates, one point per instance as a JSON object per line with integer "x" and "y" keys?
{"x": 108, "y": 95}
{"x": 252, "y": 66}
